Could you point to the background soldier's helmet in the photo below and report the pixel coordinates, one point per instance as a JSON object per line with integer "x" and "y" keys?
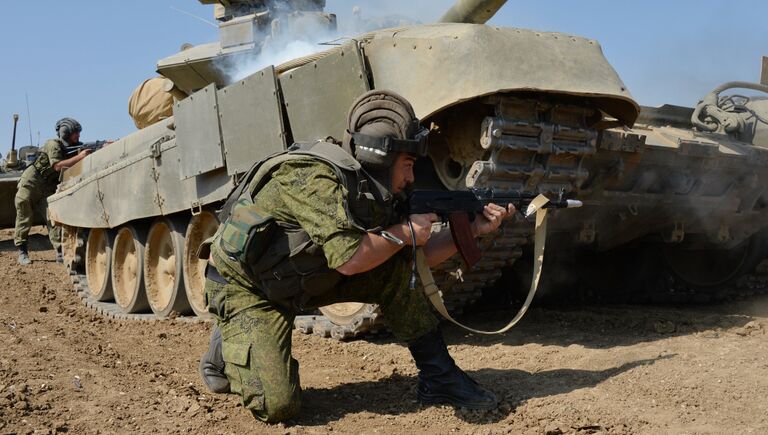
{"x": 382, "y": 124}
{"x": 66, "y": 126}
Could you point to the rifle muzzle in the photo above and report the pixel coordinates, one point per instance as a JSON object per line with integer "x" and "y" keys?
{"x": 573, "y": 203}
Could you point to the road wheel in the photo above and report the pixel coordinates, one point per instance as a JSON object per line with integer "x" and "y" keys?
{"x": 98, "y": 263}
{"x": 163, "y": 267}
{"x": 127, "y": 276}
{"x": 706, "y": 269}
{"x": 345, "y": 313}
{"x": 201, "y": 227}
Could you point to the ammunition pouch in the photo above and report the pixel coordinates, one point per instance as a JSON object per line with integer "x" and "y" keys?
{"x": 279, "y": 259}
{"x": 43, "y": 166}
{"x": 245, "y": 237}
{"x": 296, "y": 269}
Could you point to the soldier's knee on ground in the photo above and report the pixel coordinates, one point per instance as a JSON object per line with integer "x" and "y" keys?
{"x": 280, "y": 408}
{"x": 271, "y": 393}
{"x": 279, "y": 401}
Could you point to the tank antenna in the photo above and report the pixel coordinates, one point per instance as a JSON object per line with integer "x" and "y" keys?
{"x": 29, "y": 118}
{"x": 194, "y": 16}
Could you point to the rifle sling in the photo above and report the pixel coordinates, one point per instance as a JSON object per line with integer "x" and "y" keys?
{"x": 435, "y": 296}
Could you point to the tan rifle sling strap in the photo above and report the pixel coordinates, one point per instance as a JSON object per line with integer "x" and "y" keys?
{"x": 435, "y": 296}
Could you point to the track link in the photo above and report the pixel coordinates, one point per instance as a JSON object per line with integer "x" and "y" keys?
{"x": 111, "y": 310}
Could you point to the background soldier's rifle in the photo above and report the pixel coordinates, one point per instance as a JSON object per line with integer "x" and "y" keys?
{"x": 93, "y": 146}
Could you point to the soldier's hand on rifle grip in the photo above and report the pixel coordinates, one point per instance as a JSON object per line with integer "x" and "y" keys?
{"x": 83, "y": 152}
{"x": 422, "y": 228}
{"x": 491, "y": 218}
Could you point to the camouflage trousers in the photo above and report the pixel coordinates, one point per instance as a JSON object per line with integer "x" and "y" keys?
{"x": 257, "y": 332}
{"x": 30, "y": 200}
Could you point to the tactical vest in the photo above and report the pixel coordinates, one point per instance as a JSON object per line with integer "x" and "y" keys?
{"x": 279, "y": 258}
{"x": 43, "y": 166}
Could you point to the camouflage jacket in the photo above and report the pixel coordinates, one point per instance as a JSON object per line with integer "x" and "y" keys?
{"x": 306, "y": 193}
{"x": 41, "y": 173}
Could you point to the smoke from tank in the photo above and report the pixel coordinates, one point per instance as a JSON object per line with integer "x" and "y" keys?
{"x": 286, "y": 29}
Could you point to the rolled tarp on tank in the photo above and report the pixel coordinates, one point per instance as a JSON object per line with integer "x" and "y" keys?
{"x": 151, "y": 101}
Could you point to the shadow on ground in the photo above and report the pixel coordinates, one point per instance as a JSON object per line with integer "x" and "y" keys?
{"x": 603, "y": 326}
{"x": 395, "y": 395}
{"x": 37, "y": 242}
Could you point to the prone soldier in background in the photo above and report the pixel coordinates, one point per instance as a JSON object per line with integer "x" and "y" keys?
{"x": 318, "y": 225}
{"x": 39, "y": 181}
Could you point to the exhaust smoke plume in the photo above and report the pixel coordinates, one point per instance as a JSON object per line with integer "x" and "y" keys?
{"x": 297, "y": 34}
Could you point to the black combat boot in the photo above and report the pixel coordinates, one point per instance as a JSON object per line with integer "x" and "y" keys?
{"x": 24, "y": 255}
{"x": 212, "y": 365}
{"x": 441, "y": 381}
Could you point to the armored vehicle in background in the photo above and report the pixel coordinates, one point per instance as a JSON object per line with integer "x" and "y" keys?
{"x": 10, "y": 173}
{"x": 509, "y": 108}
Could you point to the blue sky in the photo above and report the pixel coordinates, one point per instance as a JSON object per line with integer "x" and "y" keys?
{"x": 83, "y": 58}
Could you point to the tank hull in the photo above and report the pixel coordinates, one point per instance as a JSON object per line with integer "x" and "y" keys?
{"x": 8, "y": 182}
{"x": 512, "y": 108}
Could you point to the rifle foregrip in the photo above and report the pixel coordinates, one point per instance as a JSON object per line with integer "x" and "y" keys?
{"x": 461, "y": 231}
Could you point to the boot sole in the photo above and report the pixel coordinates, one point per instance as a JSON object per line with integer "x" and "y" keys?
{"x": 446, "y": 400}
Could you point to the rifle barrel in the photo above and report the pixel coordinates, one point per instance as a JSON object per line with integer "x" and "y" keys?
{"x": 473, "y": 201}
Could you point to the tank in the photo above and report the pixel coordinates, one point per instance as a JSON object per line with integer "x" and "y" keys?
{"x": 509, "y": 109}
{"x": 10, "y": 173}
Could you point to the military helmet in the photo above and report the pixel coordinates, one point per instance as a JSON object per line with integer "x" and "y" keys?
{"x": 381, "y": 124}
{"x": 66, "y": 126}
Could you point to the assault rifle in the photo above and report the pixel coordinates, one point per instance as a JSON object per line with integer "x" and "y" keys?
{"x": 459, "y": 208}
{"x": 93, "y": 146}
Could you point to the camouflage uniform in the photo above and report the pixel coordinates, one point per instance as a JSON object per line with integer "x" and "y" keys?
{"x": 32, "y": 195}
{"x": 257, "y": 332}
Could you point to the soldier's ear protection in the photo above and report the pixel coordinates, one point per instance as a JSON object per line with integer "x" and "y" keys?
{"x": 384, "y": 145}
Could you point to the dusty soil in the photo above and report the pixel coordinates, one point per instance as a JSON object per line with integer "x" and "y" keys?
{"x": 584, "y": 370}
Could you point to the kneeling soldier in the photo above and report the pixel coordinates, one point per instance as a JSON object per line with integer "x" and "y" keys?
{"x": 316, "y": 226}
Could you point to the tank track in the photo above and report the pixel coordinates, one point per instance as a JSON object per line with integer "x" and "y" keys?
{"x": 748, "y": 285}
{"x": 111, "y": 310}
{"x": 458, "y": 294}
{"x": 364, "y": 325}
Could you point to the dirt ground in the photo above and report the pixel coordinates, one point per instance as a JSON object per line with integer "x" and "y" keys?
{"x": 582, "y": 370}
